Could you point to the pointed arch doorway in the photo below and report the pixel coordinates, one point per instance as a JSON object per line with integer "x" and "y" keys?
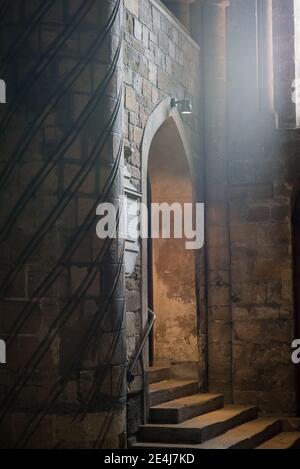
{"x": 169, "y": 278}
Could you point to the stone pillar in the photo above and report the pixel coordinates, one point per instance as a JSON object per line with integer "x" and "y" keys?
{"x": 297, "y": 60}
{"x": 284, "y": 61}
{"x": 265, "y": 60}
{"x": 219, "y": 346}
{"x": 62, "y": 289}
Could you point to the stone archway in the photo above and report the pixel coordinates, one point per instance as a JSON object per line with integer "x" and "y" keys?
{"x": 167, "y": 168}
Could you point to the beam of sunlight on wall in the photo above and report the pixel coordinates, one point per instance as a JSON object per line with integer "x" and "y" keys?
{"x": 297, "y": 57}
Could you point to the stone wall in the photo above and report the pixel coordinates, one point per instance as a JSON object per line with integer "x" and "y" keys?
{"x": 262, "y": 274}
{"x": 256, "y": 294}
{"x": 160, "y": 60}
{"x": 62, "y": 289}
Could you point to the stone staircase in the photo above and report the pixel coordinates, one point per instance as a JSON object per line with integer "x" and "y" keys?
{"x": 181, "y": 417}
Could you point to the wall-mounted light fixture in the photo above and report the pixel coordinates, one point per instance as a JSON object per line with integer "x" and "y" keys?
{"x": 184, "y": 105}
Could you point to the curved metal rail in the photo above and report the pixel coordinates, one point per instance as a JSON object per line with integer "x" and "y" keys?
{"x": 139, "y": 349}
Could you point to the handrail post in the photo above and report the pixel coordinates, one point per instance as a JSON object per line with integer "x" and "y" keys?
{"x": 139, "y": 349}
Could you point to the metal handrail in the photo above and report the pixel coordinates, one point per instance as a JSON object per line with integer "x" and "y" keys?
{"x": 139, "y": 349}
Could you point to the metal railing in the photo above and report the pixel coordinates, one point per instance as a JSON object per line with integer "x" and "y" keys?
{"x": 139, "y": 349}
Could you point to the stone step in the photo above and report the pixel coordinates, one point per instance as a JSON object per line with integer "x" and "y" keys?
{"x": 199, "y": 429}
{"x": 157, "y": 373}
{"x": 185, "y": 408}
{"x": 285, "y": 440}
{"x": 154, "y": 445}
{"x": 246, "y": 436}
{"x": 171, "y": 389}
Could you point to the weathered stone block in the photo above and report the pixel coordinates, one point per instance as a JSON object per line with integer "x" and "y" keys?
{"x": 132, "y": 6}
{"x": 218, "y": 296}
{"x": 138, "y": 29}
{"x": 145, "y": 12}
{"x": 130, "y": 99}
{"x": 163, "y": 81}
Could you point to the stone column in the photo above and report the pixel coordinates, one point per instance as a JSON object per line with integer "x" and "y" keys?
{"x": 297, "y": 59}
{"x": 62, "y": 289}
{"x": 265, "y": 60}
{"x": 219, "y": 337}
{"x": 284, "y": 62}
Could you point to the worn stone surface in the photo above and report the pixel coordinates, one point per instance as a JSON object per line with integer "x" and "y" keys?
{"x": 63, "y": 384}
{"x": 159, "y": 61}
{"x": 244, "y": 282}
{"x": 261, "y": 180}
